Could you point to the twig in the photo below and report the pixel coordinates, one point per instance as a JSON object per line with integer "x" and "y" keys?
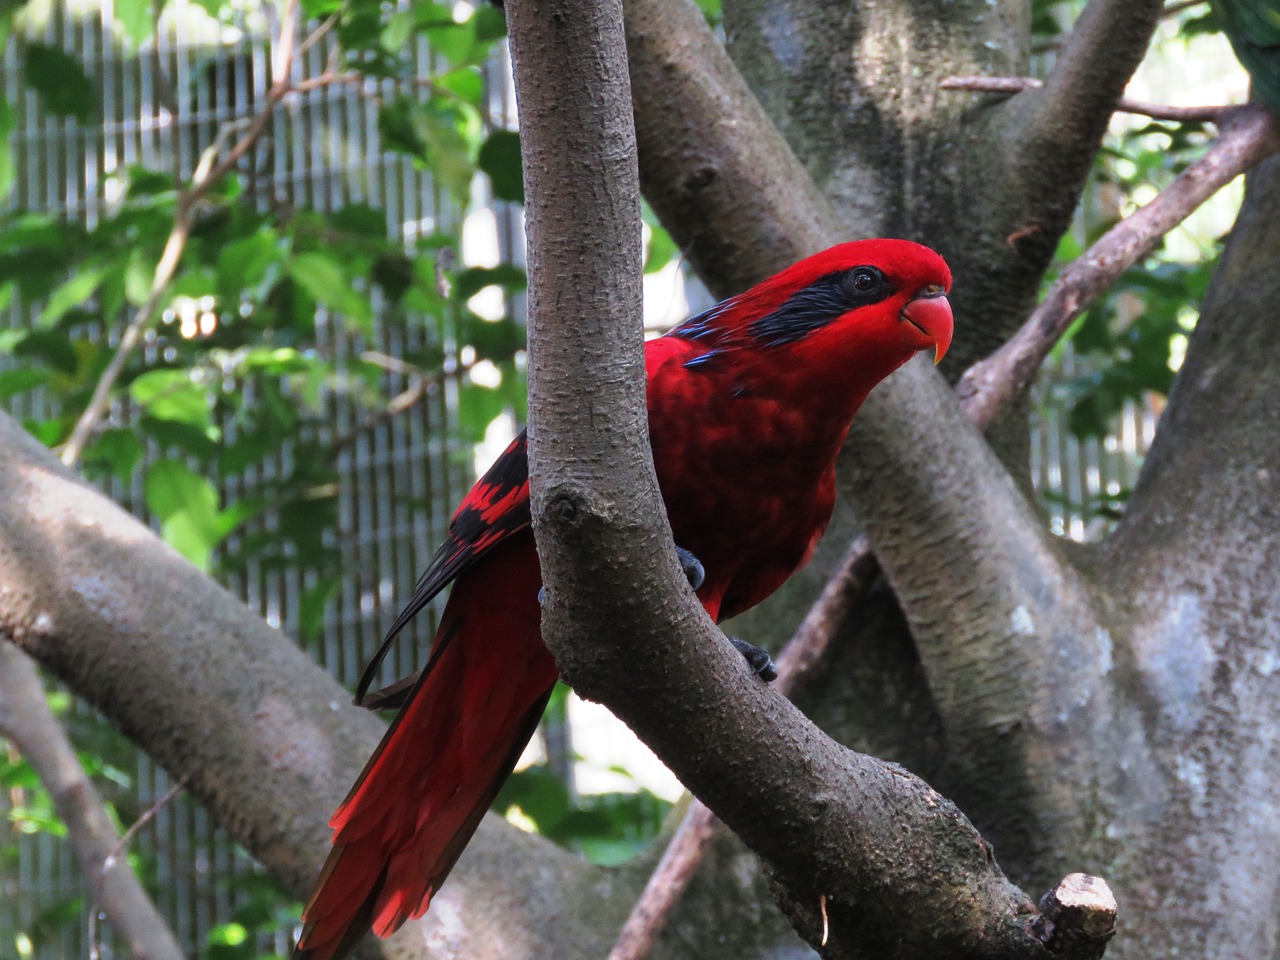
{"x": 812, "y": 640}
{"x": 1157, "y": 111}
{"x": 133, "y": 333}
{"x": 147, "y": 816}
{"x": 109, "y": 862}
{"x": 407, "y": 399}
{"x": 318, "y": 33}
{"x": 1249, "y": 134}
{"x": 33, "y": 730}
{"x": 401, "y": 402}
{"x": 206, "y": 175}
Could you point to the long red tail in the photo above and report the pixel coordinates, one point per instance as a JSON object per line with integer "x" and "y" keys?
{"x": 424, "y": 791}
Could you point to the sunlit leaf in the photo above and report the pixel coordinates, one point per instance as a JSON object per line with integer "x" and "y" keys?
{"x": 324, "y": 278}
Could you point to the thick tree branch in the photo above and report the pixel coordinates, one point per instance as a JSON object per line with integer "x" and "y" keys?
{"x": 28, "y": 723}
{"x": 803, "y": 654}
{"x": 838, "y": 827}
{"x": 910, "y": 429}
{"x": 201, "y": 684}
{"x": 1068, "y": 116}
{"x": 712, "y": 163}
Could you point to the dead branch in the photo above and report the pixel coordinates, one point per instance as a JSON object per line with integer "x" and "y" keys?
{"x": 1156, "y": 111}
{"x": 109, "y": 863}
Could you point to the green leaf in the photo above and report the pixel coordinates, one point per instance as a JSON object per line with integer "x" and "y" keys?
{"x": 477, "y": 408}
{"x": 662, "y": 249}
{"x": 474, "y": 279}
{"x": 398, "y": 30}
{"x": 20, "y": 380}
{"x": 82, "y": 285}
{"x": 149, "y": 183}
{"x": 398, "y": 128}
{"x": 500, "y": 159}
{"x": 172, "y": 395}
{"x": 134, "y": 17}
{"x": 50, "y": 347}
{"x": 323, "y": 277}
{"x": 538, "y": 793}
{"x": 490, "y": 24}
{"x": 361, "y": 220}
{"x": 466, "y": 83}
{"x": 319, "y": 9}
{"x": 187, "y": 506}
{"x": 118, "y": 450}
{"x": 248, "y": 264}
{"x": 492, "y": 339}
{"x": 60, "y": 81}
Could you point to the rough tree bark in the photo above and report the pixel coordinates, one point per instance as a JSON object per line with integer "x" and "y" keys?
{"x": 1106, "y": 708}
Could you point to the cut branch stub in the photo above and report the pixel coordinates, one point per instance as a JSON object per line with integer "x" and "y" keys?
{"x": 1077, "y": 918}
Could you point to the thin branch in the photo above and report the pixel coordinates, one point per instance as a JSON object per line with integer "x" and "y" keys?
{"x": 147, "y": 816}
{"x": 111, "y": 859}
{"x": 35, "y": 732}
{"x": 206, "y": 175}
{"x": 132, "y": 336}
{"x": 402, "y": 402}
{"x": 667, "y": 884}
{"x": 317, "y": 34}
{"x": 1249, "y": 134}
{"x": 1157, "y": 111}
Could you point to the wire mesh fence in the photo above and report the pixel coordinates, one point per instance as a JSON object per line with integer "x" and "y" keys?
{"x": 398, "y": 480}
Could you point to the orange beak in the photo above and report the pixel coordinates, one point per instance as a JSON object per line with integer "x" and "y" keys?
{"x": 930, "y": 313}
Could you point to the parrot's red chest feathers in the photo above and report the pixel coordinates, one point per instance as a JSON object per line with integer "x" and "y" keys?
{"x": 749, "y": 404}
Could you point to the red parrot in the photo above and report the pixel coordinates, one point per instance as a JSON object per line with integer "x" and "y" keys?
{"x": 749, "y": 404}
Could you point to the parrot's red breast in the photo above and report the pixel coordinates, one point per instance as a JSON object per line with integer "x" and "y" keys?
{"x": 749, "y": 404}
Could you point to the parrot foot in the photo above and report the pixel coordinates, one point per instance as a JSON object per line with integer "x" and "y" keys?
{"x": 757, "y": 659}
{"x": 694, "y": 572}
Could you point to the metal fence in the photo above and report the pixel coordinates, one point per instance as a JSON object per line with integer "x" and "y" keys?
{"x": 324, "y": 154}
{"x": 399, "y": 481}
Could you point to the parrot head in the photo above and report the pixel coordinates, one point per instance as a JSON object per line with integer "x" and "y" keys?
{"x": 886, "y": 295}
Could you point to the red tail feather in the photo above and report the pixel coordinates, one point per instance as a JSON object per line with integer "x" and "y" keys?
{"x": 424, "y": 791}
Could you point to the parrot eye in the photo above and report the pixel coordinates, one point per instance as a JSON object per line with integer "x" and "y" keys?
{"x": 865, "y": 280}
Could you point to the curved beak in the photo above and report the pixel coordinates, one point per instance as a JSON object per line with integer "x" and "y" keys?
{"x": 930, "y": 313}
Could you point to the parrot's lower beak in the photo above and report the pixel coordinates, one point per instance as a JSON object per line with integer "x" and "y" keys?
{"x": 930, "y": 313}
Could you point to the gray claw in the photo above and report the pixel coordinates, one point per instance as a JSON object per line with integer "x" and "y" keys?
{"x": 692, "y": 567}
{"x": 757, "y": 659}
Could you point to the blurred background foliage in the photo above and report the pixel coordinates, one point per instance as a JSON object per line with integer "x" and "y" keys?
{"x": 278, "y": 311}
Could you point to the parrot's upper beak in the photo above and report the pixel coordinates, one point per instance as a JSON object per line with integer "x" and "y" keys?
{"x": 930, "y": 313}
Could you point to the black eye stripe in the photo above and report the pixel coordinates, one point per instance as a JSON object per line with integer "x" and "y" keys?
{"x": 820, "y": 303}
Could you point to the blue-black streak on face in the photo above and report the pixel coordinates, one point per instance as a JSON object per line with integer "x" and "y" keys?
{"x": 821, "y": 302}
